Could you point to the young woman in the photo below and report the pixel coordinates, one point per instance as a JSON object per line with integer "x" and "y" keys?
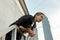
{"x": 26, "y": 24}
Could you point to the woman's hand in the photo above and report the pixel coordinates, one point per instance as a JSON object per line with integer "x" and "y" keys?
{"x": 31, "y": 33}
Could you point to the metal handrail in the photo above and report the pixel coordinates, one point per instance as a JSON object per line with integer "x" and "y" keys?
{"x": 3, "y": 33}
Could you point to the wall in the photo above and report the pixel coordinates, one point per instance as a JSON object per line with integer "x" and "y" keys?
{"x": 9, "y": 12}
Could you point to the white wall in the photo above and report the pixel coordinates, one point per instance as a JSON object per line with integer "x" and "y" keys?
{"x": 9, "y": 12}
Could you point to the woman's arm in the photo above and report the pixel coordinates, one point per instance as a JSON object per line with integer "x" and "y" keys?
{"x": 31, "y": 33}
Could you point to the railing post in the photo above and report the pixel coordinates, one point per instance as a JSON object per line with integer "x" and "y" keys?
{"x": 14, "y": 34}
{"x": 26, "y": 36}
{"x": 3, "y": 38}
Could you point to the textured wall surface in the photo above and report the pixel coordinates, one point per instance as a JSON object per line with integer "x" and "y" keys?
{"x": 9, "y": 12}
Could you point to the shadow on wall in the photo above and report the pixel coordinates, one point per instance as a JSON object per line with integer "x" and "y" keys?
{"x": 46, "y": 29}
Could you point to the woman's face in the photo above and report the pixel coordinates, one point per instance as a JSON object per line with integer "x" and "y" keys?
{"x": 39, "y": 18}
